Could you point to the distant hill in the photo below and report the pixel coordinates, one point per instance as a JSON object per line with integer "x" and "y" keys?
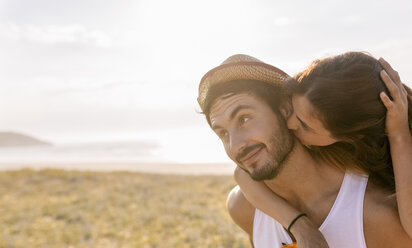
{"x": 10, "y": 139}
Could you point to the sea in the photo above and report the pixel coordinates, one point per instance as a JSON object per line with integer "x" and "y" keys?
{"x": 113, "y": 156}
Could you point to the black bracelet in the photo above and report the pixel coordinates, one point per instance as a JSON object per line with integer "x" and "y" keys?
{"x": 294, "y": 220}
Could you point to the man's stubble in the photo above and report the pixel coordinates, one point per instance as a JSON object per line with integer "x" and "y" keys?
{"x": 279, "y": 148}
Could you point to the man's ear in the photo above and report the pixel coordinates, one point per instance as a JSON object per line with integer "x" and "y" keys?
{"x": 286, "y": 108}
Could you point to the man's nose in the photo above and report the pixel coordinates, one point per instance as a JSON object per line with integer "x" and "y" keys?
{"x": 292, "y": 122}
{"x": 236, "y": 144}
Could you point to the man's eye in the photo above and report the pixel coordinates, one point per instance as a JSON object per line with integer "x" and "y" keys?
{"x": 223, "y": 134}
{"x": 244, "y": 119}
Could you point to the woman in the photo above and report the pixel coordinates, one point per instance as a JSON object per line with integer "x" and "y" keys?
{"x": 343, "y": 113}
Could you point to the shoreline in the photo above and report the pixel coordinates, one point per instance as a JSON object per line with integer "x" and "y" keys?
{"x": 153, "y": 168}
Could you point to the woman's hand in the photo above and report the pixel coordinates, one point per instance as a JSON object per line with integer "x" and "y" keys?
{"x": 397, "y": 124}
{"x": 307, "y": 235}
{"x": 400, "y": 139}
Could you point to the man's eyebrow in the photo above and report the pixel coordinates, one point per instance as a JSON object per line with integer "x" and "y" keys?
{"x": 237, "y": 109}
{"x": 233, "y": 114}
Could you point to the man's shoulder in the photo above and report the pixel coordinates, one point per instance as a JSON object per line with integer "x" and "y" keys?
{"x": 241, "y": 211}
{"x": 382, "y": 227}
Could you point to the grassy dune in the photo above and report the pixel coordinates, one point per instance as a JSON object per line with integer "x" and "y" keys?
{"x": 57, "y": 208}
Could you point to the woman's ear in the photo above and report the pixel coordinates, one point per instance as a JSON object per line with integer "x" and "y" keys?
{"x": 286, "y": 108}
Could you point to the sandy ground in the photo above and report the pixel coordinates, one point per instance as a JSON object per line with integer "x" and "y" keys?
{"x": 158, "y": 168}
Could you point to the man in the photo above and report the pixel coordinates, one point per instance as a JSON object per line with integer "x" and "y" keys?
{"x": 242, "y": 100}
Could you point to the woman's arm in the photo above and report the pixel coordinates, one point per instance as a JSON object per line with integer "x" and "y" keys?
{"x": 400, "y": 139}
{"x": 260, "y": 196}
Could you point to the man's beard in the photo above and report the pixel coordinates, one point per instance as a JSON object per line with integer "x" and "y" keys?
{"x": 280, "y": 148}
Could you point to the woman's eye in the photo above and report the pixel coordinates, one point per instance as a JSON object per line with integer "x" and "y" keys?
{"x": 304, "y": 126}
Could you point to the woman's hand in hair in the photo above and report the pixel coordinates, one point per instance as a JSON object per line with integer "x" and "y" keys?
{"x": 400, "y": 139}
{"x": 397, "y": 125}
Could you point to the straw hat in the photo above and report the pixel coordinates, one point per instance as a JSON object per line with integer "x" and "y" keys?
{"x": 238, "y": 67}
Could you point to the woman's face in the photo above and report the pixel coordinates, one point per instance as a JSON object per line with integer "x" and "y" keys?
{"x": 306, "y": 126}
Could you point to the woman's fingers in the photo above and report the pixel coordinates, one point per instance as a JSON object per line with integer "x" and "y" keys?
{"x": 404, "y": 91}
{"x": 386, "y": 101}
{"x": 394, "y": 75}
{"x": 390, "y": 84}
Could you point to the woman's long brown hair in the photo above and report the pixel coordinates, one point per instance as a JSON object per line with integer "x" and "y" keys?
{"x": 344, "y": 91}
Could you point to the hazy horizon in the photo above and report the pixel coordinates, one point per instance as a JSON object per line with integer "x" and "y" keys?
{"x": 92, "y": 71}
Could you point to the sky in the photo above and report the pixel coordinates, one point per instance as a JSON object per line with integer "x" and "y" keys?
{"x": 103, "y": 71}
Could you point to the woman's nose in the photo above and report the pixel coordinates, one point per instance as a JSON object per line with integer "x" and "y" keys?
{"x": 293, "y": 123}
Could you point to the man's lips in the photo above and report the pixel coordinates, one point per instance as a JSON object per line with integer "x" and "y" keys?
{"x": 251, "y": 156}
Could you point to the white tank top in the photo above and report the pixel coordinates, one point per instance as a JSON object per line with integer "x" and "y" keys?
{"x": 342, "y": 228}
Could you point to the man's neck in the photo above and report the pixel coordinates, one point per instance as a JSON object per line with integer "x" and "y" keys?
{"x": 303, "y": 181}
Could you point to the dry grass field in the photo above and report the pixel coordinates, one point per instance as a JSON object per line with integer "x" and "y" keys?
{"x": 59, "y": 208}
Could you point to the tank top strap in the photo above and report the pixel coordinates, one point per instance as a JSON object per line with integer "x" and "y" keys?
{"x": 347, "y": 213}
